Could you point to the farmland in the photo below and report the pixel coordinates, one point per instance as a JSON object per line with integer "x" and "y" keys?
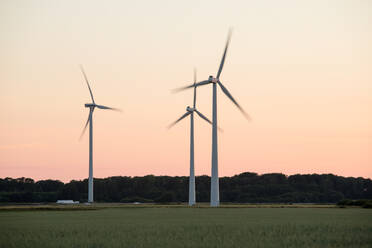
{"x": 179, "y": 226}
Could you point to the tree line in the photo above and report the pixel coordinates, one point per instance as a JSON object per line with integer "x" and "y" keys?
{"x": 243, "y": 188}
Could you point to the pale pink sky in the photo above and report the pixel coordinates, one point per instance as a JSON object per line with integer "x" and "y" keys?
{"x": 301, "y": 69}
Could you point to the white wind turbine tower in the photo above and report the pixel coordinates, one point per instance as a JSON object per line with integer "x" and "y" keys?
{"x": 215, "y": 192}
{"x": 190, "y": 111}
{"x": 91, "y": 107}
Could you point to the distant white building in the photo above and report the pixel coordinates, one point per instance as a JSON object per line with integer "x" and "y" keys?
{"x": 67, "y": 202}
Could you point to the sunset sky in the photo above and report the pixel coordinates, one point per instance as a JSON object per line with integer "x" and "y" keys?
{"x": 301, "y": 69}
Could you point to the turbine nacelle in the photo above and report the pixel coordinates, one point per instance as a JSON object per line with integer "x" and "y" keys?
{"x": 190, "y": 109}
{"x": 90, "y": 105}
{"x": 211, "y": 79}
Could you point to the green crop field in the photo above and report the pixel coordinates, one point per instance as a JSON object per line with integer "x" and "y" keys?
{"x": 137, "y": 226}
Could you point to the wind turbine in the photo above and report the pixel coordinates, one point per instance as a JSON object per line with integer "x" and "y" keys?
{"x": 190, "y": 111}
{"x": 91, "y": 107}
{"x": 215, "y": 193}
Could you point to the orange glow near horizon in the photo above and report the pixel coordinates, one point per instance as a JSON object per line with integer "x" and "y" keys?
{"x": 302, "y": 70}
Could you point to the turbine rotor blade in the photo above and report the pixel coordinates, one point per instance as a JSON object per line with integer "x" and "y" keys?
{"x": 191, "y": 86}
{"x": 224, "y": 54}
{"x": 86, "y": 80}
{"x": 194, "y": 75}
{"x": 194, "y": 87}
{"x": 203, "y": 117}
{"x": 86, "y": 124}
{"x": 179, "y": 119}
{"x": 105, "y": 107}
{"x": 206, "y": 119}
{"x": 227, "y": 93}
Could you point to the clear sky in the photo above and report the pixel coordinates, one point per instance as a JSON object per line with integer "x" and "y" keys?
{"x": 301, "y": 69}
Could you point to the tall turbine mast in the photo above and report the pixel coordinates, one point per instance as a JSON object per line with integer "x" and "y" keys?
{"x": 190, "y": 111}
{"x": 91, "y": 107}
{"x": 215, "y": 193}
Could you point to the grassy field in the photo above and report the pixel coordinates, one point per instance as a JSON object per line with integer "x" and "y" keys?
{"x": 178, "y": 226}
